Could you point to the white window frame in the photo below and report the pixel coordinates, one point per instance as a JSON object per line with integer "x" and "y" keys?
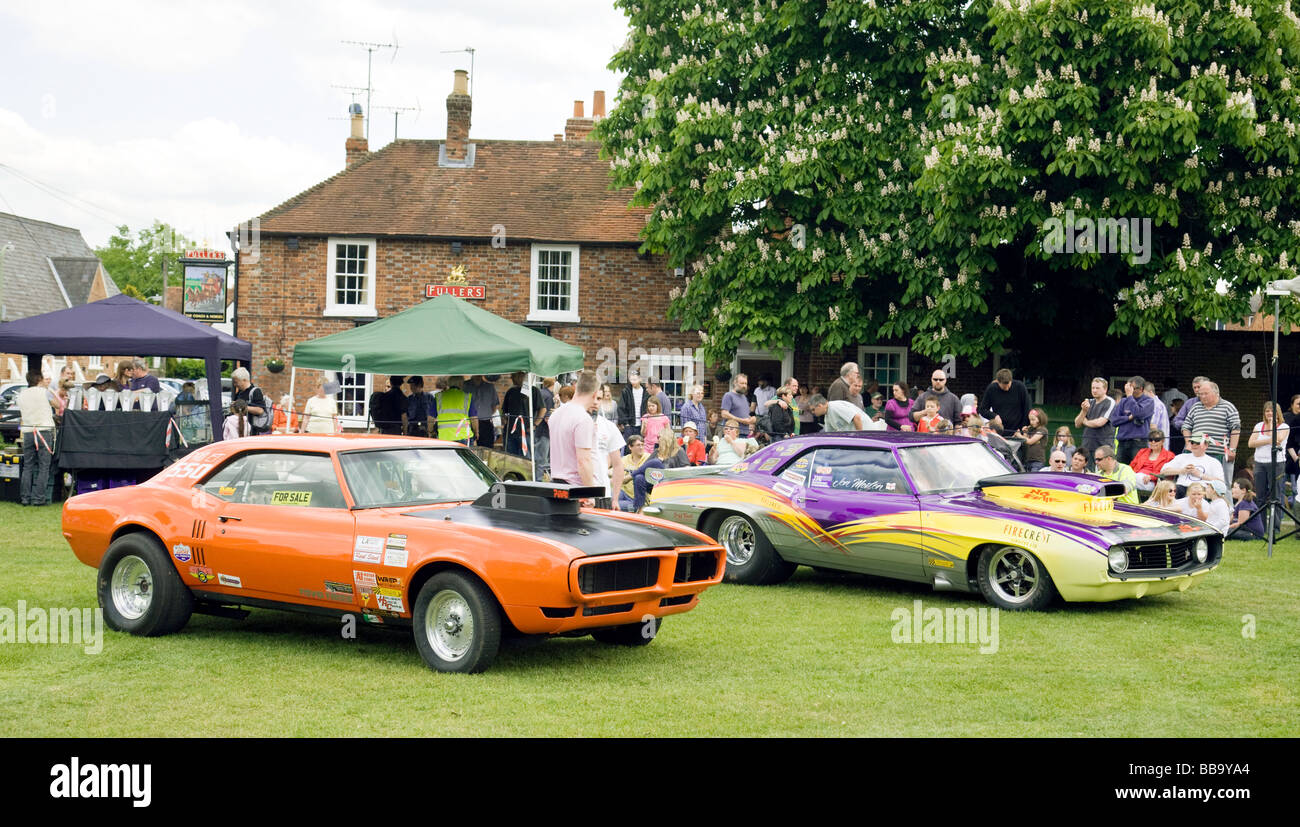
{"x": 570, "y": 315}
{"x": 361, "y": 422}
{"x": 745, "y": 350}
{"x": 351, "y": 311}
{"x": 686, "y": 362}
{"x": 901, "y": 352}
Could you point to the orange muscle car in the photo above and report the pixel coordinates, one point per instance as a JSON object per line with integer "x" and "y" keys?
{"x": 396, "y": 530}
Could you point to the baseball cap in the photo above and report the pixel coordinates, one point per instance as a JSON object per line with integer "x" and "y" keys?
{"x": 1199, "y": 438}
{"x": 1219, "y": 487}
{"x": 691, "y": 425}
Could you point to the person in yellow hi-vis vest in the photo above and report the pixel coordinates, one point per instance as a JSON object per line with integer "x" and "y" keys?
{"x": 456, "y": 420}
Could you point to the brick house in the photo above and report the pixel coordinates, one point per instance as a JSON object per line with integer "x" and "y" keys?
{"x": 533, "y": 223}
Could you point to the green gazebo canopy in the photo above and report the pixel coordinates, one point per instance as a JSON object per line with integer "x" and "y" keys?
{"x": 441, "y": 336}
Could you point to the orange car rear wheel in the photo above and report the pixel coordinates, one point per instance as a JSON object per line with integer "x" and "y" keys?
{"x": 457, "y": 624}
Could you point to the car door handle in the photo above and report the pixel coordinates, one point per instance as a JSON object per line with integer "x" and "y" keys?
{"x": 223, "y": 518}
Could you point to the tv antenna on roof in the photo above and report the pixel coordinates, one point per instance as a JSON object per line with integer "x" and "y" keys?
{"x": 397, "y": 110}
{"x": 371, "y": 48}
{"x": 469, "y": 49}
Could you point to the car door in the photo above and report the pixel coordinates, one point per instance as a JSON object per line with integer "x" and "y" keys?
{"x": 862, "y": 502}
{"x": 277, "y": 528}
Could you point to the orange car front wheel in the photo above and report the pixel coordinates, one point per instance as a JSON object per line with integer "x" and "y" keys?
{"x": 457, "y": 623}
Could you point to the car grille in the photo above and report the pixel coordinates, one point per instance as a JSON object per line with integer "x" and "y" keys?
{"x": 680, "y": 600}
{"x": 695, "y": 565}
{"x": 618, "y": 575}
{"x": 1147, "y": 556}
{"x": 596, "y": 611}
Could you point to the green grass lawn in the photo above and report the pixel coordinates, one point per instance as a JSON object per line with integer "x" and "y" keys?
{"x": 812, "y": 657}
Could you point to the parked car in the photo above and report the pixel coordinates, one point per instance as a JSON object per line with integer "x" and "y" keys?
{"x": 947, "y": 511}
{"x": 10, "y": 416}
{"x": 393, "y": 530}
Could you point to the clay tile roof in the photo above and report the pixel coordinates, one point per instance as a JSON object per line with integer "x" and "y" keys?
{"x": 538, "y": 190}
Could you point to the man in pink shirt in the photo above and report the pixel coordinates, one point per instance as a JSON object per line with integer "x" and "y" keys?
{"x": 573, "y": 434}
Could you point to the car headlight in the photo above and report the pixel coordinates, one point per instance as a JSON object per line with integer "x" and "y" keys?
{"x": 1118, "y": 557}
{"x": 1202, "y": 550}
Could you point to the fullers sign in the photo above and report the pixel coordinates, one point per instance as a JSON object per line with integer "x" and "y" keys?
{"x": 457, "y": 285}
{"x": 460, "y": 291}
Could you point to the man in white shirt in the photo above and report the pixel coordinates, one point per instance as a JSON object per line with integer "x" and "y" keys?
{"x": 1196, "y": 466}
{"x": 37, "y": 427}
{"x": 840, "y": 415}
{"x": 607, "y": 459}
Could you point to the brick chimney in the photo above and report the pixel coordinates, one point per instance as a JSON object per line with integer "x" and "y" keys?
{"x": 357, "y": 146}
{"x": 458, "y": 112}
{"x": 578, "y": 127}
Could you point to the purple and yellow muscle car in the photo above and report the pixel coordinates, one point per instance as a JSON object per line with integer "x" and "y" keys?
{"x": 948, "y": 511}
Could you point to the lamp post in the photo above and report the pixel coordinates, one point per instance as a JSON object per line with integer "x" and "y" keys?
{"x": 4, "y": 314}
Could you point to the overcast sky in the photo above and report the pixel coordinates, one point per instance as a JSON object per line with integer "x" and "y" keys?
{"x": 204, "y": 114}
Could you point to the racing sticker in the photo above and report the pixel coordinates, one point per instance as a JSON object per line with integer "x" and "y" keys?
{"x": 793, "y": 476}
{"x": 396, "y": 541}
{"x": 369, "y": 618}
{"x": 338, "y": 588}
{"x": 368, "y": 550}
{"x": 782, "y": 488}
{"x": 290, "y": 498}
{"x": 769, "y": 464}
{"x": 389, "y": 603}
{"x": 230, "y": 580}
{"x": 801, "y": 464}
{"x": 226, "y": 491}
{"x": 203, "y": 574}
{"x": 940, "y": 562}
{"x": 387, "y": 582}
{"x": 395, "y": 557}
{"x": 364, "y": 579}
{"x": 1034, "y": 538}
{"x": 182, "y": 552}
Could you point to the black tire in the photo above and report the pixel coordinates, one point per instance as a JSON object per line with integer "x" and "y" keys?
{"x": 1014, "y": 579}
{"x": 630, "y": 634}
{"x": 457, "y": 623}
{"x": 751, "y": 559}
{"x": 139, "y": 589}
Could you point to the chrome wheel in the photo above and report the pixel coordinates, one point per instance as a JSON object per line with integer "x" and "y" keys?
{"x": 736, "y": 536}
{"x": 132, "y": 587}
{"x": 449, "y": 625}
{"x": 1014, "y": 575}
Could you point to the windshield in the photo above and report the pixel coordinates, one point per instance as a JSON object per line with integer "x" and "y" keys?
{"x": 938, "y": 469}
{"x": 414, "y": 476}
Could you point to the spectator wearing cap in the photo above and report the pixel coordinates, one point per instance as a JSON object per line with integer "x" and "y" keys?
{"x": 320, "y": 413}
{"x": 1147, "y": 463}
{"x": 1220, "y": 514}
{"x": 1218, "y": 418}
{"x": 1132, "y": 417}
{"x": 1006, "y": 403}
{"x": 696, "y": 453}
{"x": 1195, "y": 466}
{"x": 1111, "y": 468}
{"x": 1094, "y": 418}
{"x": 876, "y": 410}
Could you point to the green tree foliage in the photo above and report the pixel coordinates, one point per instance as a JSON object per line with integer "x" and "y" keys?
{"x": 136, "y": 262}
{"x": 860, "y": 171}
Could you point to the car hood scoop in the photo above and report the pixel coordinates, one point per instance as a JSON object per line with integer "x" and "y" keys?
{"x": 1069, "y": 495}
{"x": 551, "y": 512}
